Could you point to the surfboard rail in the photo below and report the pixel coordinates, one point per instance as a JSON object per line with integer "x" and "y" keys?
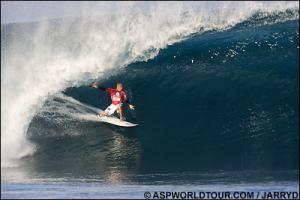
{"x": 115, "y": 121}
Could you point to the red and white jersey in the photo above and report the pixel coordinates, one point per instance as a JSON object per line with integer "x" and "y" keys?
{"x": 117, "y": 97}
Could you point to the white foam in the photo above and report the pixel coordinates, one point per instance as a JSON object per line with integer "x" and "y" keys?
{"x": 83, "y": 51}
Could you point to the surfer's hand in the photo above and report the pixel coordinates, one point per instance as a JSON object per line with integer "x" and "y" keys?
{"x": 94, "y": 85}
{"x": 131, "y": 107}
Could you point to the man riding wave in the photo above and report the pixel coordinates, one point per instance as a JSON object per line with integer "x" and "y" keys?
{"x": 117, "y": 95}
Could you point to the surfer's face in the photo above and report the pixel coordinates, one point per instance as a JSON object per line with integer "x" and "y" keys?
{"x": 119, "y": 87}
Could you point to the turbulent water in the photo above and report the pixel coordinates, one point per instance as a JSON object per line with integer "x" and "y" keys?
{"x": 216, "y": 97}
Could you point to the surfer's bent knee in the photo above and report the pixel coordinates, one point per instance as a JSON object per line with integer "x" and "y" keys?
{"x": 103, "y": 113}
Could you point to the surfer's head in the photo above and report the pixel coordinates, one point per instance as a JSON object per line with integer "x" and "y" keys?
{"x": 119, "y": 87}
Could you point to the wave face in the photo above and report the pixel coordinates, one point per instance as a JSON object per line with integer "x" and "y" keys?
{"x": 216, "y": 101}
{"x": 213, "y": 90}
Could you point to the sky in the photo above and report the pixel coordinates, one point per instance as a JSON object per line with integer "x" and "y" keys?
{"x": 28, "y": 11}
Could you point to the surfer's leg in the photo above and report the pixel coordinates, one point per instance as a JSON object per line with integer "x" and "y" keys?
{"x": 121, "y": 113}
{"x": 103, "y": 113}
{"x": 109, "y": 110}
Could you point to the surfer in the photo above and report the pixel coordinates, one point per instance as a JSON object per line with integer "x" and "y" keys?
{"x": 117, "y": 95}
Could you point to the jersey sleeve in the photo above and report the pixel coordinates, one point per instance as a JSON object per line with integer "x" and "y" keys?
{"x": 109, "y": 90}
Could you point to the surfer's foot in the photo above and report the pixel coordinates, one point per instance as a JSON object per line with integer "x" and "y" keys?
{"x": 122, "y": 118}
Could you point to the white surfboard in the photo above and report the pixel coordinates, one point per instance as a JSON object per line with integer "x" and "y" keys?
{"x": 116, "y": 121}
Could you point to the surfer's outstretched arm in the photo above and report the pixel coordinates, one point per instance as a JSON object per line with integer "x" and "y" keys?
{"x": 94, "y": 85}
{"x": 131, "y": 107}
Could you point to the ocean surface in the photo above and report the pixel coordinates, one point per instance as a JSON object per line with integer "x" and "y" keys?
{"x": 217, "y": 103}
